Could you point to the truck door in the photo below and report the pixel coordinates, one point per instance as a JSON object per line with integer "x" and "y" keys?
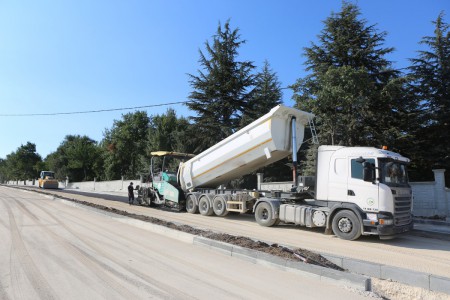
{"x": 360, "y": 192}
{"x": 337, "y": 181}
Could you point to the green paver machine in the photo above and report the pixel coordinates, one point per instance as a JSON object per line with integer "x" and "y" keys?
{"x": 160, "y": 186}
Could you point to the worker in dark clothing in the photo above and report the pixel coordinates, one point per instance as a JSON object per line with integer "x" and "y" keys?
{"x": 130, "y": 193}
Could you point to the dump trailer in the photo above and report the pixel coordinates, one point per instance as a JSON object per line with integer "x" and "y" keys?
{"x": 353, "y": 192}
{"x": 47, "y": 180}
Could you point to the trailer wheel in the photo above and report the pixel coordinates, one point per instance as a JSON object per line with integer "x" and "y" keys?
{"x": 205, "y": 207}
{"x": 264, "y": 215}
{"x": 191, "y": 205}
{"x": 220, "y": 206}
{"x": 346, "y": 225}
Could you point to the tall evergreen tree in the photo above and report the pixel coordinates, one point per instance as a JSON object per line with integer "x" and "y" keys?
{"x": 222, "y": 89}
{"x": 430, "y": 73}
{"x": 352, "y": 88}
{"x": 266, "y": 94}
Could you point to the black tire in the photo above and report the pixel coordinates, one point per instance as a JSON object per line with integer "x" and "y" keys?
{"x": 191, "y": 205}
{"x": 220, "y": 206}
{"x": 264, "y": 215}
{"x": 346, "y": 225}
{"x": 204, "y": 206}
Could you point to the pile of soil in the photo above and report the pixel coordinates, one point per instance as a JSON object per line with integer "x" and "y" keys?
{"x": 298, "y": 254}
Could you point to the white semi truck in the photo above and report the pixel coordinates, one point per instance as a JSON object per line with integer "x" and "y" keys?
{"x": 357, "y": 190}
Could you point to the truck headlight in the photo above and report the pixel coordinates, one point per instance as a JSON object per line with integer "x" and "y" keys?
{"x": 372, "y": 217}
{"x": 386, "y": 221}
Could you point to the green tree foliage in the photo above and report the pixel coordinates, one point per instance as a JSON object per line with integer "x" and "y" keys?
{"x": 125, "y": 146}
{"x": 265, "y": 95}
{"x": 169, "y": 133}
{"x": 77, "y": 157}
{"x": 3, "y": 171}
{"x": 349, "y": 73}
{"x": 430, "y": 73}
{"x": 357, "y": 97}
{"x": 22, "y": 164}
{"x": 221, "y": 90}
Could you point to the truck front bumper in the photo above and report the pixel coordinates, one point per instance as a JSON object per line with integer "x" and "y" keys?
{"x": 388, "y": 230}
{"x": 384, "y": 230}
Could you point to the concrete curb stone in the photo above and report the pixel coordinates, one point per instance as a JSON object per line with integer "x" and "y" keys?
{"x": 440, "y": 284}
{"x": 405, "y": 276}
{"x": 360, "y": 282}
{"x": 412, "y": 278}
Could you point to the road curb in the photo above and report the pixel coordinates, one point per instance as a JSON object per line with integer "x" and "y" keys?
{"x": 418, "y": 279}
{"x": 359, "y": 282}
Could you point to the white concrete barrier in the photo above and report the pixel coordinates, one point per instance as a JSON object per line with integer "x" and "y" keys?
{"x": 431, "y": 198}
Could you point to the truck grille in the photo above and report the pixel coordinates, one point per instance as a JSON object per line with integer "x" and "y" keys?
{"x": 402, "y": 211}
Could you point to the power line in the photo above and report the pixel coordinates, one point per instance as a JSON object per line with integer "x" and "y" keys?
{"x": 91, "y": 111}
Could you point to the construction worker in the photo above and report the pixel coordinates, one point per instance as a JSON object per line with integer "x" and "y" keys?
{"x": 130, "y": 193}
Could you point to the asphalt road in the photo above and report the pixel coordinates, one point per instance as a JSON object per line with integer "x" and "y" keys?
{"x": 409, "y": 251}
{"x": 50, "y": 250}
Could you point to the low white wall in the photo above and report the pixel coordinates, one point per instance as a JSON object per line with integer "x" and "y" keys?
{"x": 102, "y": 186}
{"x": 61, "y": 184}
{"x": 424, "y": 198}
{"x": 431, "y": 198}
{"x": 99, "y": 186}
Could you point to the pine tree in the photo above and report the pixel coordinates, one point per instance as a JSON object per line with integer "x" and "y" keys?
{"x": 222, "y": 89}
{"x": 266, "y": 94}
{"x": 430, "y": 72}
{"x": 352, "y": 88}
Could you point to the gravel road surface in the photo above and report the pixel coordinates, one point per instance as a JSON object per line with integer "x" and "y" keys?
{"x": 50, "y": 250}
{"x": 428, "y": 255}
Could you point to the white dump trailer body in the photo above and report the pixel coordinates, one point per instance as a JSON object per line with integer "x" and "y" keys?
{"x": 265, "y": 141}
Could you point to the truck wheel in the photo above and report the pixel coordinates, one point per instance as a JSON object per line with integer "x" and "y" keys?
{"x": 346, "y": 225}
{"x": 205, "y": 207}
{"x": 220, "y": 206}
{"x": 191, "y": 206}
{"x": 264, "y": 215}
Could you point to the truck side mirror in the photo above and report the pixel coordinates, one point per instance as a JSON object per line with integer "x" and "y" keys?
{"x": 368, "y": 172}
{"x": 360, "y": 160}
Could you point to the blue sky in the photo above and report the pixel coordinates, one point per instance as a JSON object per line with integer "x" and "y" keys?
{"x": 84, "y": 55}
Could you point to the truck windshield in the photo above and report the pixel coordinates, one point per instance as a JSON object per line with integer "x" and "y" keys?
{"x": 393, "y": 173}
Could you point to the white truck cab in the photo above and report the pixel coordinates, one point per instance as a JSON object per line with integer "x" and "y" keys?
{"x": 370, "y": 182}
